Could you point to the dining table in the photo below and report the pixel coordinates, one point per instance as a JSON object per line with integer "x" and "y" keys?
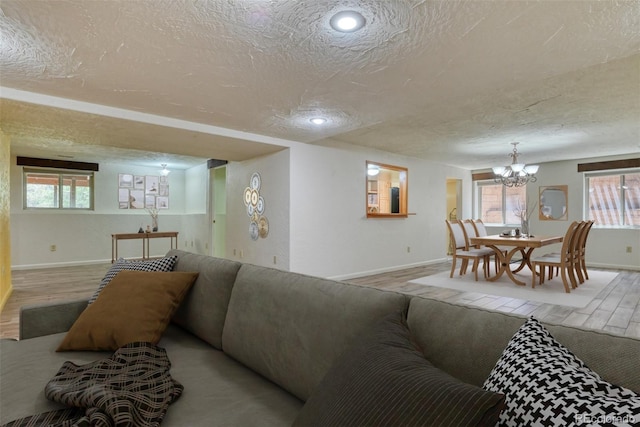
{"x": 520, "y": 244}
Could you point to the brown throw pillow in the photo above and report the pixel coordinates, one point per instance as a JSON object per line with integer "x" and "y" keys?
{"x": 384, "y": 380}
{"x": 134, "y": 306}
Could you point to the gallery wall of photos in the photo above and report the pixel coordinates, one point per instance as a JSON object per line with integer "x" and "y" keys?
{"x": 143, "y": 191}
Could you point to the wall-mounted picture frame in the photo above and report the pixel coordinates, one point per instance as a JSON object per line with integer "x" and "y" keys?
{"x": 162, "y": 202}
{"x": 136, "y": 199}
{"x": 163, "y": 190}
{"x": 151, "y": 184}
{"x": 123, "y": 198}
{"x": 138, "y": 182}
{"x": 149, "y": 202}
{"x": 125, "y": 180}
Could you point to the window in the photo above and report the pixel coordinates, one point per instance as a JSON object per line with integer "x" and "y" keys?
{"x": 497, "y": 204}
{"x": 49, "y": 189}
{"x": 613, "y": 199}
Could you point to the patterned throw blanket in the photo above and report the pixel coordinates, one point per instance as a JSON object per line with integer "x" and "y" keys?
{"x": 133, "y": 387}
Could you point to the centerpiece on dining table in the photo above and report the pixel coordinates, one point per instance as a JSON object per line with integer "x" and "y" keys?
{"x": 524, "y": 214}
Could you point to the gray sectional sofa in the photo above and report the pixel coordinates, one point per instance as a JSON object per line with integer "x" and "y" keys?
{"x": 251, "y": 344}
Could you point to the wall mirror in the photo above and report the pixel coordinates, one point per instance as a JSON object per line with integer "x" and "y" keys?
{"x": 386, "y": 190}
{"x": 553, "y": 203}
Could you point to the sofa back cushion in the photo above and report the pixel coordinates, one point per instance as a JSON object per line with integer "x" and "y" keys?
{"x": 466, "y": 342}
{"x": 291, "y": 328}
{"x": 204, "y": 309}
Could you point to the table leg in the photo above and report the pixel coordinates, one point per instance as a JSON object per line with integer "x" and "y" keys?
{"x": 505, "y": 262}
{"x": 526, "y": 259}
{"x": 114, "y": 249}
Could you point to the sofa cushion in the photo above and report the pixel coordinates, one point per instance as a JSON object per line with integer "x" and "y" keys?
{"x": 134, "y": 306}
{"x": 160, "y": 264}
{"x": 291, "y": 328}
{"x": 204, "y": 309}
{"x": 466, "y": 342}
{"x": 384, "y": 380}
{"x": 546, "y": 384}
{"x": 218, "y": 391}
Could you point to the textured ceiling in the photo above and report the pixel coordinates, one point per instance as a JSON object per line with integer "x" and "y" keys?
{"x": 450, "y": 81}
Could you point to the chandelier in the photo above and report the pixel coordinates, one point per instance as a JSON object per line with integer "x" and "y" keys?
{"x": 516, "y": 174}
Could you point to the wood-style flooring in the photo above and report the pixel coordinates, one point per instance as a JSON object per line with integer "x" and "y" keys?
{"x": 616, "y": 309}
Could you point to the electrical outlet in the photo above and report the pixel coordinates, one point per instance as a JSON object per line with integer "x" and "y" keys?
{"x": 408, "y": 249}
{"x": 241, "y": 253}
{"x": 53, "y": 248}
{"x": 629, "y": 249}
{"x": 274, "y": 259}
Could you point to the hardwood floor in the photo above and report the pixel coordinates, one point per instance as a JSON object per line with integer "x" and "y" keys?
{"x": 616, "y": 309}
{"x": 46, "y": 285}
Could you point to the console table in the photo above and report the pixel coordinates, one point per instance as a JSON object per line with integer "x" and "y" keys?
{"x": 145, "y": 237}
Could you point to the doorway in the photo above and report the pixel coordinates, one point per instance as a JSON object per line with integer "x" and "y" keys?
{"x": 218, "y": 181}
{"x": 454, "y": 206}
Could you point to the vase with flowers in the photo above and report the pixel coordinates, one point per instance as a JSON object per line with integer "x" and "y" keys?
{"x": 524, "y": 213}
{"x": 154, "y": 218}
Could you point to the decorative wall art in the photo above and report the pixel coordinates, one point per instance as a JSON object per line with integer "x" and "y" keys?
{"x": 258, "y": 223}
{"x": 143, "y": 192}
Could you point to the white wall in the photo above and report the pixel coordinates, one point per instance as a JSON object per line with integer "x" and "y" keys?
{"x": 275, "y": 177}
{"x": 315, "y": 203}
{"x": 85, "y": 236}
{"x": 330, "y": 233}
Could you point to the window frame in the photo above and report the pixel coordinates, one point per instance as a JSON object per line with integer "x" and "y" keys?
{"x": 61, "y": 174}
{"x": 621, "y": 194}
{"x": 478, "y": 202}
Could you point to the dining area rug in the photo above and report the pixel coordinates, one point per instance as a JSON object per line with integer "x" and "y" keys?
{"x": 551, "y": 292}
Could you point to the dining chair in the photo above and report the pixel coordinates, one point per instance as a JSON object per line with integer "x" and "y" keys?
{"x": 582, "y": 263}
{"x": 576, "y": 250}
{"x": 465, "y": 253}
{"x": 481, "y": 231}
{"x": 563, "y": 261}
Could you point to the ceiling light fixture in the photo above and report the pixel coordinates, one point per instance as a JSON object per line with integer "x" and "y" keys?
{"x": 373, "y": 170}
{"x": 347, "y": 21}
{"x": 318, "y": 120}
{"x": 516, "y": 174}
{"x": 164, "y": 170}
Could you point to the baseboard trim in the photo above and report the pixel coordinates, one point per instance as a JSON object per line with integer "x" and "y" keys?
{"x": 60, "y": 264}
{"x": 385, "y": 269}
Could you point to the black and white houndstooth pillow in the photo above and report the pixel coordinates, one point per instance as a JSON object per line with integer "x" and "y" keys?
{"x": 159, "y": 264}
{"x": 546, "y": 385}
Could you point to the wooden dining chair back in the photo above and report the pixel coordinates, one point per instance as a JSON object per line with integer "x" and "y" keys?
{"x": 463, "y": 252}
{"x": 582, "y": 263}
{"x": 476, "y": 228}
{"x": 563, "y": 261}
{"x": 576, "y": 242}
{"x": 481, "y": 231}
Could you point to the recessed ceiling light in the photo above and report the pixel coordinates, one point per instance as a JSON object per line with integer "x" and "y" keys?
{"x": 347, "y": 21}
{"x": 318, "y": 120}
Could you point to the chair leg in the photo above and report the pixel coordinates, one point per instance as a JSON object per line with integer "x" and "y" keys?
{"x": 533, "y": 275}
{"x": 475, "y": 267}
{"x": 583, "y": 265}
{"x": 571, "y": 272}
{"x": 453, "y": 266}
{"x": 463, "y": 266}
{"x": 486, "y": 266}
{"x": 565, "y": 281}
